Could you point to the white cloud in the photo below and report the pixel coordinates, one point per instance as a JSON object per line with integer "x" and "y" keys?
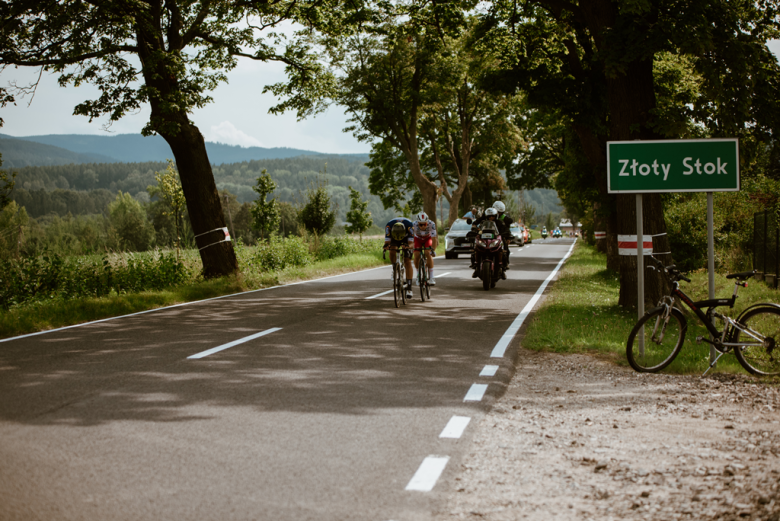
{"x": 228, "y": 134}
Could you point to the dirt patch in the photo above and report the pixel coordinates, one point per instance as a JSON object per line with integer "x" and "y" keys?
{"x": 576, "y": 437}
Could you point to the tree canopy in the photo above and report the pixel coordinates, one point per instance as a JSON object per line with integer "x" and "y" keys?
{"x": 169, "y": 54}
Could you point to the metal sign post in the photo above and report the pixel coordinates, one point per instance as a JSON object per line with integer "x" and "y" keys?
{"x": 711, "y": 261}
{"x": 640, "y": 271}
{"x": 663, "y": 166}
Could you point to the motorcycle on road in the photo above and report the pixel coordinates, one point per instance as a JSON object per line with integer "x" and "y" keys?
{"x": 488, "y": 253}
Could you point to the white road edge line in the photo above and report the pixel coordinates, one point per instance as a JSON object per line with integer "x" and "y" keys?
{"x": 379, "y": 294}
{"x": 500, "y": 349}
{"x": 489, "y": 370}
{"x": 443, "y": 275}
{"x": 233, "y": 343}
{"x": 428, "y": 474}
{"x": 455, "y": 427}
{"x": 183, "y": 304}
{"x": 476, "y": 392}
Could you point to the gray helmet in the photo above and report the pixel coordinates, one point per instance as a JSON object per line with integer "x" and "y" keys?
{"x": 499, "y": 206}
{"x": 491, "y": 211}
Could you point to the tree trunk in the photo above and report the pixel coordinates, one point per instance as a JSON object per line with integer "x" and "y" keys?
{"x": 466, "y": 200}
{"x": 427, "y": 188}
{"x": 631, "y": 100}
{"x": 188, "y": 147}
{"x": 653, "y": 225}
{"x": 611, "y": 243}
{"x": 203, "y": 203}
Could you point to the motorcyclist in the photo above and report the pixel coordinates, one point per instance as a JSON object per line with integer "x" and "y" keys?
{"x": 503, "y": 222}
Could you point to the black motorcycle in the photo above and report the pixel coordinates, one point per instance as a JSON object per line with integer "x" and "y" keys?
{"x": 488, "y": 253}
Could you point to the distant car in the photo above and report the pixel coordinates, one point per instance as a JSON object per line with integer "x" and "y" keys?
{"x": 455, "y": 240}
{"x": 518, "y": 237}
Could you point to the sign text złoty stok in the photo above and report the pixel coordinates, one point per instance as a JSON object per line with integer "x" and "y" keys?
{"x": 696, "y": 165}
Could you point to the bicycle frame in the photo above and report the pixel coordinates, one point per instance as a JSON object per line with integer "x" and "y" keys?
{"x": 423, "y": 260}
{"x": 706, "y": 318}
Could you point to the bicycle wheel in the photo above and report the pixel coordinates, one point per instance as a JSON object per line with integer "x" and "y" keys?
{"x": 760, "y": 357}
{"x": 487, "y": 274}
{"x": 662, "y": 340}
{"x": 397, "y": 289}
{"x": 422, "y": 277}
{"x": 402, "y": 279}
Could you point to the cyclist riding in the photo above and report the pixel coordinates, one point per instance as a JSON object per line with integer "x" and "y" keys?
{"x": 424, "y": 231}
{"x": 398, "y": 234}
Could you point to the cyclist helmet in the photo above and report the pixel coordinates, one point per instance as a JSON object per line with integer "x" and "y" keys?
{"x": 422, "y": 217}
{"x": 499, "y": 206}
{"x": 398, "y": 232}
{"x": 491, "y": 212}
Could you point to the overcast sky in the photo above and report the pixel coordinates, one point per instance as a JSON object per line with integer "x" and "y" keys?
{"x": 238, "y": 116}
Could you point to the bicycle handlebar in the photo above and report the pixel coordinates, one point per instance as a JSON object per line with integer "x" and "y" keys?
{"x": 671, "y": 271}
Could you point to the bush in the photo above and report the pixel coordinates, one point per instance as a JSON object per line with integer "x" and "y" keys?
{"x": 686, "y": 222}
{"x": 49, "y": 276}
{"x": 332, "y": 247}
{"x": 278, "y": 253}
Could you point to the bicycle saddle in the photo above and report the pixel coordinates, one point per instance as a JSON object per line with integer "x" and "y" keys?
{"x": 744, "y": 275}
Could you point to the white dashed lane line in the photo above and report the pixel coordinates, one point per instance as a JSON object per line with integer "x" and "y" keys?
{"x": 233, "y": 343}
{"x": 379, "y": 294}
{"x": 489, "y": 370}
{"x": 455, "y": 427}
{"x": 476, "y": 392}
{"x": 428, "y": 474}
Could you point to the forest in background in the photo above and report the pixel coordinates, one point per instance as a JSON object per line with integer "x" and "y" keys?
{"x": 84, "y": 189}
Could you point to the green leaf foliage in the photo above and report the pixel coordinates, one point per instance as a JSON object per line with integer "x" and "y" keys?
{"x": 358, "y": 216}
{"x": 129, "y": 220}
{"x": 265, "y": 213}
{"x": 317, "y": 215}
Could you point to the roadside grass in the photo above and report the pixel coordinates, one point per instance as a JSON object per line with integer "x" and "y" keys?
{"x": 581, "y": 314}
{"x": 55, "y": 313}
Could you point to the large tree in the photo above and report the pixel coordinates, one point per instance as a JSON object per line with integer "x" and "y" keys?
{"x": 168, "y": 54}
{"x": 594, "y": 61}
{"x": 384, "y": 75}
{"x": 463, "y": 123}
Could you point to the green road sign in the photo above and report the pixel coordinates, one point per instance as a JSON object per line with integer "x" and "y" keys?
{"x": 681, "y": 165}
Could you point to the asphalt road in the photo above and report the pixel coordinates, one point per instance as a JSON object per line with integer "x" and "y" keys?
{"x": 337, "y": 415}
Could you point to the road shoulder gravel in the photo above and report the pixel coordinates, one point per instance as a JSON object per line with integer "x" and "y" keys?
{"x": 579, "y": 437}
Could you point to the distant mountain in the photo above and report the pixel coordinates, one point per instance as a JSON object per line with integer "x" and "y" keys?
{"x": 130, "y": 148}
{"x": 18, "y": 153}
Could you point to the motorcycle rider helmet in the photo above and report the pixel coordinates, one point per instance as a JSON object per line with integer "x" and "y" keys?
{"x": 491, "y": 212}
{"x": 499, "y": 206}
{"x": 398, "y": 232}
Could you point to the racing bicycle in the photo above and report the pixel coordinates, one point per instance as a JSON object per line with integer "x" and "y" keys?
{"x": 422, "y": 273}
{"x": 399, "y": 277}
{"x": 657, "y": 338}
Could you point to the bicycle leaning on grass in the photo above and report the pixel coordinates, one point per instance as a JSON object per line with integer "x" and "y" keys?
{"x": 657, "y": 338}
{"x": 399, "y": 277}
